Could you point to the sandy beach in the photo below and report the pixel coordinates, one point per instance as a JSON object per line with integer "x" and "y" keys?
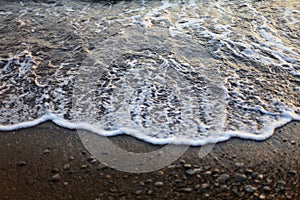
{"x": 49, "y": 162}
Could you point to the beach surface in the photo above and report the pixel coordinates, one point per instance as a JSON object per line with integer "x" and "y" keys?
{"x": 49, "y": 162}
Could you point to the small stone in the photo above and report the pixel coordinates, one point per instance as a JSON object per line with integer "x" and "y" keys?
{"x": 216, "y": 171}
{"x": 46, "y": 151}
{"x": 293, "y": 142}
{"x": 280, "y": 183}
{"x": 204, "y": 186}
{"x": 55, "y": 178}
{"x": 182, "y": 161}
{"x": 248, "y": 171}
{"x": 192, "y": 171}
{"x": 239, "y": 164}
{"x": 141, "y": 183}
{"x": 83, "y": 152}
{"x": 90, "y": 158}
{"x": 256, "y": 181}
{"x": 197, "y": 187}
{"x": 254, "y": 175}
{"x": 187, "y": 166}
{"x": 66, "y": 166}
{"x": 55, "y": 170}
{"x": 186, "y": 190}
{"x": 262, "y": 196}
{"x": 148, "y": 181}
{"x": 250, "y": 188}
{"x": 177, "y": 181}
{"x": 224, "y": 187}
{"x": 240, "y": 177}
{"x": 158, "y": 184}
{"x": 223, "y": 177}
{"x": 260, "y": 176}
{"x": 93, "y": 161}
{"x": 266, "y": 189}
{"x": 71, "y": 158}
{"x": 171, "y": 166}
{"x": 207, "y": 172}
{"x": 65, "y": 183}
{"x": 83, "y": 166}
{"x": 21, "y": 163}
{"x": 160, "y": 173}
{"x": 292, "y": 172}
{"x": 138, "y": 191}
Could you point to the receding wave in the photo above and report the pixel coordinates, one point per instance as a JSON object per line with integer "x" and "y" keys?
{"x": 192, "y": 72}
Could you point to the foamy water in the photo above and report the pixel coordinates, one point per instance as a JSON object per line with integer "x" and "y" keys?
{"x": 182, "y": 72}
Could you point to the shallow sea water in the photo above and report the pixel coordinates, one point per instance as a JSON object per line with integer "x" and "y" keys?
{"x": 191, "y": 72}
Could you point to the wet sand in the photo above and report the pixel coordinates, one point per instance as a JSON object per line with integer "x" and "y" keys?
{"x": 49, "y": 162}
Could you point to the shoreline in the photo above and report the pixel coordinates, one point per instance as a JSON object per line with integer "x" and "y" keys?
{"x": 50, "y": 162}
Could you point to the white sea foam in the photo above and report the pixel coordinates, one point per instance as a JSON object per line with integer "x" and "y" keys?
{"x": 164, "y": 71}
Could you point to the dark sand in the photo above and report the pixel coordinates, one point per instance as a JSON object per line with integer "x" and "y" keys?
{"x": 32, "y": 158}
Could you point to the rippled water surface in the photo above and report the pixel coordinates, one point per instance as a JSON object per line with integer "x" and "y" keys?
{"x": 163, "y": 71}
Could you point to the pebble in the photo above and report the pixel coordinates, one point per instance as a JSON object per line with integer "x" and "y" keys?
{"x": 148, "y": 181}
{"x": 46, "y": 151}
{"x": 193, "y": 171}
{"x": 280, "y": 183}
{"x": 207, "y": 172}
{"x": 65, "y": 183}
{"x": 254, "y": 175}
{"x": 261, "y": 176}
{"x": 266, "y": 189}
{"x": 160, "y": 173}
{"x": 71, "y": 158}
{"x": 256, "y": 181}
{"x": 55, "y": 177}
{"x": 55, "y": 170}
{"x": 250, "y": 188}
{"x": 66, "y": 166}
{"x": 239, "y": 164}
{"x": 216, "y": 171}
{"x": 262, "y": 196}
{"x": 204, "y": 186}
{"x": 196, "y": 187}
{"x": 223, "y": 177}
{"x": 186, "y": 190}
{"x": 187, "y": 166}
{"x": 224, "y": 187}
{"x": 141, "y": 183}
{"x": 83, "y": 166}
{"x": 248, "y": 171}
{"x": 171, "y": 166}
{"x": 93, "y": 161}
{"x": 293, "y": 142}
{"x": 158, "y": 184}
{"x": 240, "y": 177}
{"x": 138, "y": 192}
{"x": 182, "y": 161}
{"x": 292, "y": 172}
{"x": 21, "y": 163}
{"x": 177, "y": 181}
